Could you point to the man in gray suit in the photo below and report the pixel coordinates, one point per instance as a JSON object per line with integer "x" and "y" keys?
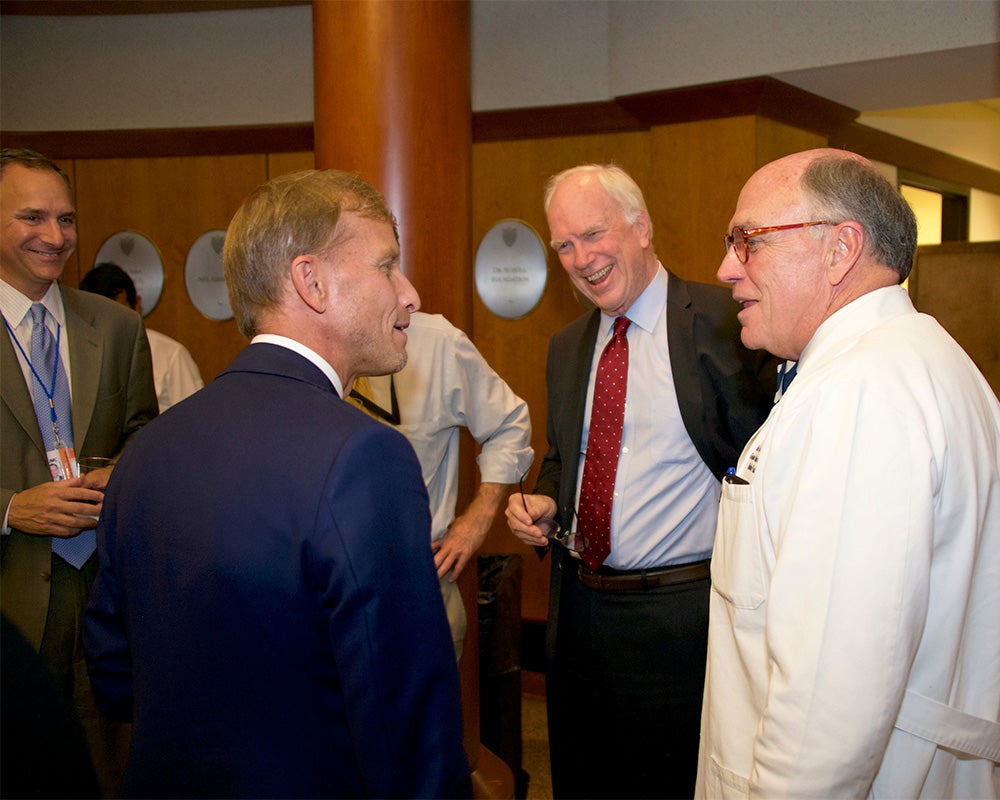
{"x": 627, "y": 627}
{"x": 103, "y": 351}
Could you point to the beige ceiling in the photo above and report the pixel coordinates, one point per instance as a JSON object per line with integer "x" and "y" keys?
{"x": 948, "y": 100}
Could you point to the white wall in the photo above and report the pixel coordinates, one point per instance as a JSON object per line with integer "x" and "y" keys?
{"x": 205, "y": 69}
{"x": 218, "y": 68}
{"x": 255, "y": 66}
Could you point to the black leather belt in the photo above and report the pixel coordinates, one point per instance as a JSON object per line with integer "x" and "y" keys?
{"x": 612, "y": 580}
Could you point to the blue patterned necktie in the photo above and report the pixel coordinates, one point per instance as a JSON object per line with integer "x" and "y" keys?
{"x": 786, "y": 374}
{"x": 78, "y": 549}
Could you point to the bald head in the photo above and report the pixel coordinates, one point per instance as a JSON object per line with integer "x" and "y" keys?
{"x": 837, "y": 185}
{"x": 819, "y": 229}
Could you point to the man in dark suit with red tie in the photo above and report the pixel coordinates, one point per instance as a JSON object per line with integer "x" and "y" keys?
{"x": 267, "y": 610}
{"x": 651, "y": 398}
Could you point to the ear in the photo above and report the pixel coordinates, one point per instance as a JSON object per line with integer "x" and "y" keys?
{"x": 847, "y": 251}
{"x": 642, "y": 227}
{"x": 307, "y": 283}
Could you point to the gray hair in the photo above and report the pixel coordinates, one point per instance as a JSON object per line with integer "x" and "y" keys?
{"x": 616, "y": 182}
{"x": 289, "y": 216}
{"x": 843, "y": 188}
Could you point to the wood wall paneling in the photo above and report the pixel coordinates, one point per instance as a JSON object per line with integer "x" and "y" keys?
{"x": 777, "y": 139}
{"x": 958, "y": 283}
{"x": 700, "y": 169}
{"x": 172, "y": 201}
{"x": 282, "y": 163}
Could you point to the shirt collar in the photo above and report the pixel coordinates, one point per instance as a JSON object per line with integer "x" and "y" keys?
{"x": 15, "y": 305}
{"x": 647, "y": 310}
{"x": 305, "y": 352}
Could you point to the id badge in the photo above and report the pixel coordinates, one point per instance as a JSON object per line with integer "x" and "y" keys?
{"x": 62, "y": 463}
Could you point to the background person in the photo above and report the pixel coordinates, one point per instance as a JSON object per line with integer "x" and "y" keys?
{"x": 855, "y": 630}
{"x": 175, "y": 374}
{"x": 267, "y": 609}
{"x": 101, "y": 383}
{"x": 626, "y": 635}
{"x": 445, "y": 386}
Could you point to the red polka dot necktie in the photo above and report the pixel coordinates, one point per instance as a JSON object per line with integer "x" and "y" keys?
{"x": 607, "y": 417}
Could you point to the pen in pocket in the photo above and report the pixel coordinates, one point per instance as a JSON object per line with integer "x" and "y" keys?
{"x": 732, "y": 477}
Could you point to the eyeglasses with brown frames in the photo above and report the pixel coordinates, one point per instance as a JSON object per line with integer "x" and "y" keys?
{"x": 739, "y": 238}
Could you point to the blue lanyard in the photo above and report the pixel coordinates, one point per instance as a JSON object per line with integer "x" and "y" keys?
{"x": 50, "y": 391}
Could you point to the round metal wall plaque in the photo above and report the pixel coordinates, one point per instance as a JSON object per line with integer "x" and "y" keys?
{"x": 206, "y": 285}
{"x": 511, "y": 270}
{"x": 139, "y": 257}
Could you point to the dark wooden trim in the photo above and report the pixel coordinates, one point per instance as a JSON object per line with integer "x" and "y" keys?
{"x": 568, "y": 120}
{"x": 156, "y": 142}
{"x": 763, "y": 96}
{"x": 919, "y": 158}
{"x": 766, "y": 97}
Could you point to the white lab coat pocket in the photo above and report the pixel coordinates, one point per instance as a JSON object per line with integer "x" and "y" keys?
{"x": 737, "y": 572}
{"x": 724, "y": 784}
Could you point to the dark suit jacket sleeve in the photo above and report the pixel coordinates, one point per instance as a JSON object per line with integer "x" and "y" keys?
{"x": 141, "y": 404}
{"x": 376, "y": 574}
{"x": 724, "y": 390}
{"x": 567, "y": 373}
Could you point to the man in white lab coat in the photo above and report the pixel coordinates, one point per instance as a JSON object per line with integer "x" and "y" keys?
{"x": 854, "y": 642}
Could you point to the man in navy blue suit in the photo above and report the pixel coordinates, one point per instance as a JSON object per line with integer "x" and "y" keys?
{"x": 267, "y": 610}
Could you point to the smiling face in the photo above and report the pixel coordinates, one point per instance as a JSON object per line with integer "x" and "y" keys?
{"x": 783, "y": 289}
{"x": 371, "y": 299}
{"x": 609, "y": 260}
{"x": 38, "y": 227}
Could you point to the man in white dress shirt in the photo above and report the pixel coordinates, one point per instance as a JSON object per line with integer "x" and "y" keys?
{"x": 445, "y": 386}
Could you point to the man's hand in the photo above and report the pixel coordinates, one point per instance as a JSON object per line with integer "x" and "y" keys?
{"x": 58, "y": 508}
{"x": 523, "y": 510}
{"x": 98, "y": 478}
{"x": 467, "y": 532}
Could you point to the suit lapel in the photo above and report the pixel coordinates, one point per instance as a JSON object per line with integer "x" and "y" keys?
{"x": 577, "y": 365}
{"x": 86, "y": 352}
{"x": 683, "y": 354}
{"x": 584, "y": 357}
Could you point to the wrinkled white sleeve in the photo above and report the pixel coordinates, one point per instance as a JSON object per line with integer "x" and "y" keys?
{"x": 496, "y": 417}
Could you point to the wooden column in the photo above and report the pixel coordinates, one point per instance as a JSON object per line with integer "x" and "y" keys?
{"x": 393, "y": 103}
